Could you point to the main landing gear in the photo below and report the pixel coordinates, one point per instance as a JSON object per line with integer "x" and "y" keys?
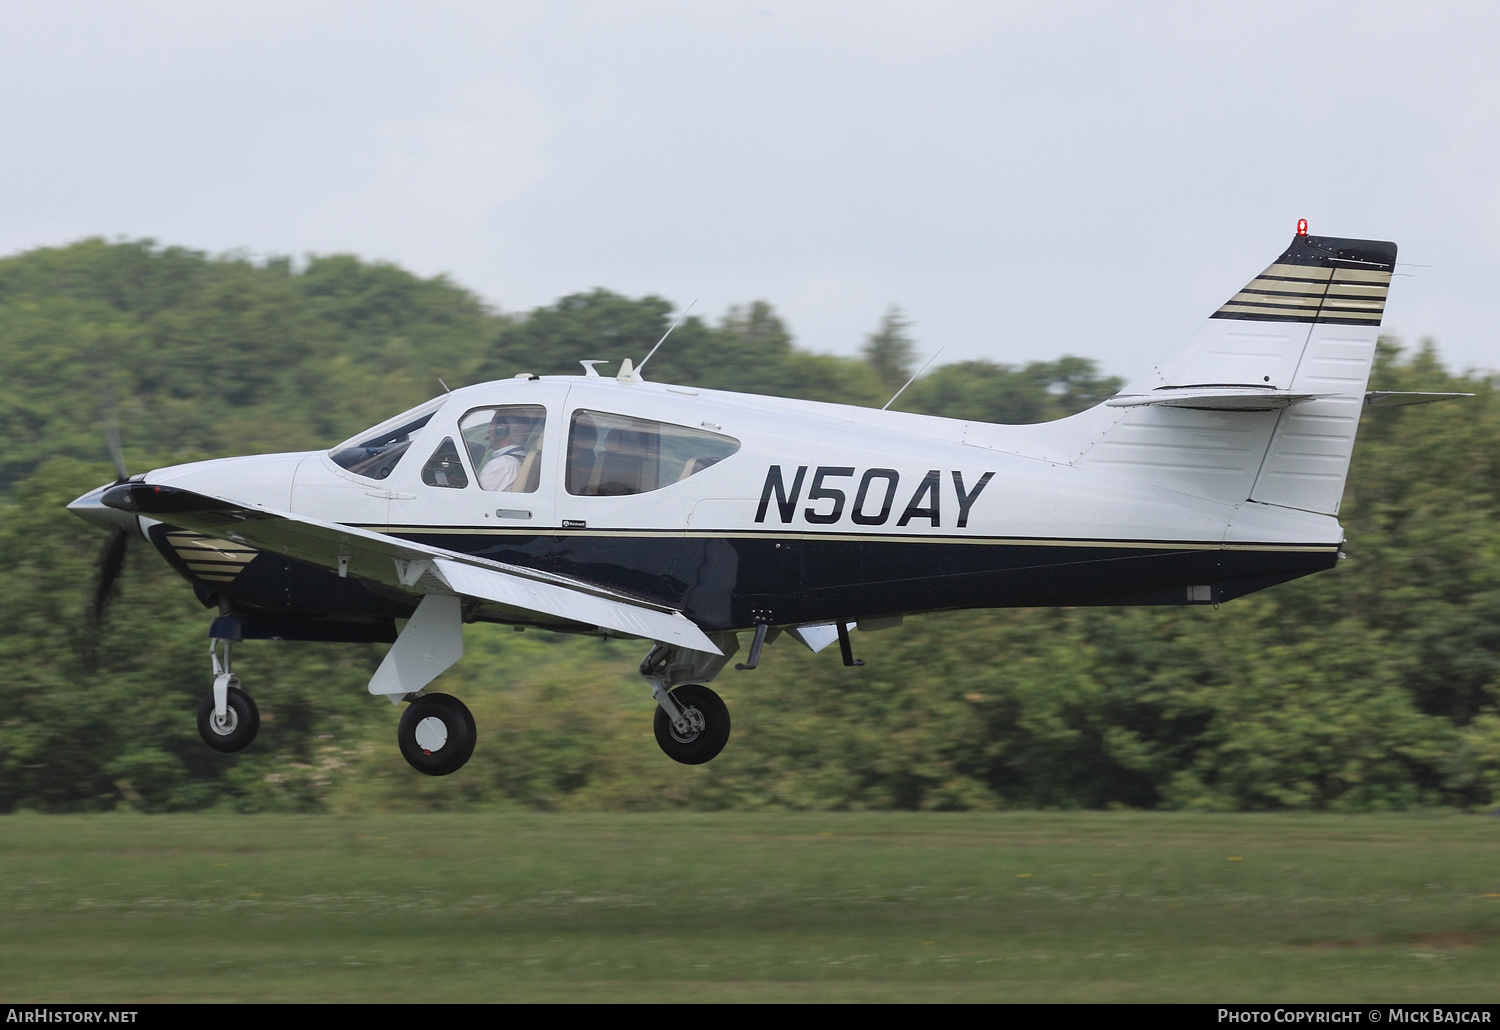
{"x": 436, "y": 734}
{"x": 701, "y": 728}
{"x": 227, "y": 718}
{"x": 691, "y": 722}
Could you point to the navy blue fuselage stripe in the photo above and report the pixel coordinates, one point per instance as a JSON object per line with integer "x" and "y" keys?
{"x": 718, "y": 581}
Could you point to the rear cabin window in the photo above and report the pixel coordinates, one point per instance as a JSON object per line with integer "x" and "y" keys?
{"x": 611, "y": 455}
{"x": 375, "y": 452}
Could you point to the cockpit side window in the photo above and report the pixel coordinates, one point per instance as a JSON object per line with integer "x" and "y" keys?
{"x": 612, "y": 455}
{"x": 375, "y": 452}
{"x": 505, "y": 445}
{"x": 444, "y": 467}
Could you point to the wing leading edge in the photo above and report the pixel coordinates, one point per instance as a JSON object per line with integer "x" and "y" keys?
{"x": 416, "y": 569}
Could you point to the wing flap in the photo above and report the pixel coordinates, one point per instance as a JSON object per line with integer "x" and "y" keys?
{"x": 552, "y": 599}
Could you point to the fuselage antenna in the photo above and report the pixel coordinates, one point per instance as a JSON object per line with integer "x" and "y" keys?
{"x": 443, "y": 385}
{"x": 913, "y": 379}
{"x": 664, "y": 336}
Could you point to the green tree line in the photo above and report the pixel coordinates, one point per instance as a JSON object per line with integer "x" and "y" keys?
{"x": 1372, "y": 685}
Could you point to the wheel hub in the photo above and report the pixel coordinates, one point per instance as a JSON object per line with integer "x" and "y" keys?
{"x": 431, "y": 734}
{"x": 226, "y": 724}
{"x": 692, "y": 724}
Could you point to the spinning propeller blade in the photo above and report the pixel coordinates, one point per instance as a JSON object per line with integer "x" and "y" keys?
{"x": 116, "y": 452}
{"x": 111, "y": 561}
{"x": 112, "y": 556}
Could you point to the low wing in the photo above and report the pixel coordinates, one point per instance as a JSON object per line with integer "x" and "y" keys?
{"x": 411, "y": 567}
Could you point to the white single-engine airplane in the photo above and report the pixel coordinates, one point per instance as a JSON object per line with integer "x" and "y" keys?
{"x": 685, "y": 517}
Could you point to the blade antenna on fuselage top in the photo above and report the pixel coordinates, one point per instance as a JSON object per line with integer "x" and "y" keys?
{"x": 913, "y": 379}
{"x": 664, "y": 336}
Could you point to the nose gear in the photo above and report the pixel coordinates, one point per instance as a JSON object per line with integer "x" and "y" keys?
{"x": 227, "y": 718}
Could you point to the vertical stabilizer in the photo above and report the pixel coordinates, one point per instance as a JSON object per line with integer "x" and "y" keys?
{"x": 1302, "y": 335}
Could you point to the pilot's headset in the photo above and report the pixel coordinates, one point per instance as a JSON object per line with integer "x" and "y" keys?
{"x": 502, "y": 427}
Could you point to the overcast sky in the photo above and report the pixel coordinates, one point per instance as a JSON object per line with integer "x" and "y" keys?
{"x": 1024, "y": 180}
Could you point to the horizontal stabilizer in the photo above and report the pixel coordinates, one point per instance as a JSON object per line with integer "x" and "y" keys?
{"x": 1398, "y": 398}
{"x": 1215, "y": 398}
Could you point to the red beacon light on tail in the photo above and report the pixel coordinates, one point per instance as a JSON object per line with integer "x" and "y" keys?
{"x": 1302, "y": 227}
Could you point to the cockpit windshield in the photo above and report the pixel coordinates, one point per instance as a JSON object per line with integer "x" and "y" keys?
{"x": 375, "y": 452}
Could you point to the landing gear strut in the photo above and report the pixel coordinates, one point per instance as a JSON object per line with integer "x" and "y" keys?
{"x": 227, "y": 719}
{"x": 436, "y": 734}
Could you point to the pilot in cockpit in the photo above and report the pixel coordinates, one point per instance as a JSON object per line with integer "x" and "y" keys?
{"x": 508, "y": 437}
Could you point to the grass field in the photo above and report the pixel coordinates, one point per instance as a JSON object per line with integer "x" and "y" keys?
{"x": 750, "y": 907}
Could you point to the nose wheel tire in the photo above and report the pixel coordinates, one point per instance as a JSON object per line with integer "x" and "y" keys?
{"x": 436, "y": 734}
{"x": 238, "y": 727}
{"x": 708, "y": 732}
